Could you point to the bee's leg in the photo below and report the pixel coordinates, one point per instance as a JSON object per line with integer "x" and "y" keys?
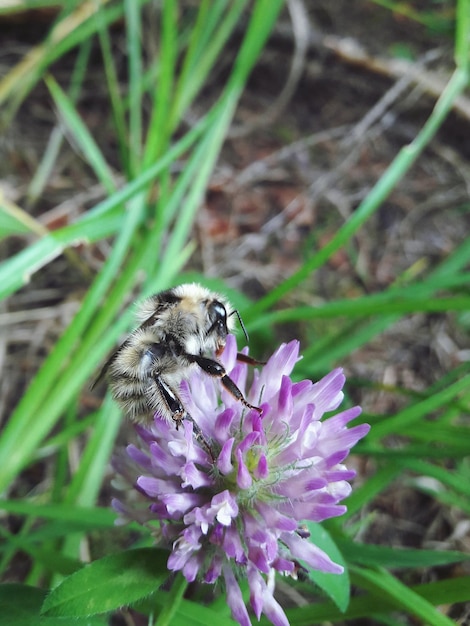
{"x": 178, "y": 412}
{"x": 245, "y": 358}
{"x": 216, "y": 369}
{"x": 173, "y": 403}
{"x": 198, "y": 435}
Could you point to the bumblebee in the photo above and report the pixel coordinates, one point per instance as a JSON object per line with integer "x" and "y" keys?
{"x": 180, "y": 330}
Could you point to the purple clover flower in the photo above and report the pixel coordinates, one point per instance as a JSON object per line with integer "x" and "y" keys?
{"x": 236, "y": 511}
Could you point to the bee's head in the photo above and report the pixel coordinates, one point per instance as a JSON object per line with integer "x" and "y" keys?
{"x": 221, "y": 324}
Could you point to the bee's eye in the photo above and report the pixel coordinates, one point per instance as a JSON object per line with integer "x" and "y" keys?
{"x": 218, "y": 318}
{"x": 217, "y": 311}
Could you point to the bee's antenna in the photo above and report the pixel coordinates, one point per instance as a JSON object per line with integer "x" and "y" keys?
{"x": 241, "y": 323}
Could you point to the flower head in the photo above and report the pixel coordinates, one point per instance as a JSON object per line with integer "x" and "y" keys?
{"x": 234, "y": 508}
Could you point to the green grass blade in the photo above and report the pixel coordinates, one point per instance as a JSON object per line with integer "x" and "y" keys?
{"x": 17, "y": 271}
{"x": 377, "y": 605}
{"x": 383, "y": 556}
{"x": 159, "y": 129}
{"x": 412, "y": 414}
{"x": 82, "y": 517}
{"x": 15, "y": 221}
{"x": 208, "y": 38}
{"x": 68, "y": 32}
{"x": 462, "y": 37}
{"x": 327, "y": 351}
{"x": 84, "y": 488}
{"x": 33, "y": 419}
{"x": 386, "y": 586}
{"x": 453, "y": 479}
{"x": 134, "y": 52}
{"x": 377, "y": 483}
{"x": 172, "y": 601}
{"x": 376, "y": 304}
{"x": 262, "y": 20}
{"x": 51, "y": 153}
{"x": 81, "y": 136}
{"x": 113, "y": 89}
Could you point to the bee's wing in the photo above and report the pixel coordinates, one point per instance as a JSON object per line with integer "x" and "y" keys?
{"x": 105, "y": 367}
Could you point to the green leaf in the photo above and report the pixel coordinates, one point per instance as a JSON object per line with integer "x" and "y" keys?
{"x": 336, "y": 586}
{"x": 109, "y": 583}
